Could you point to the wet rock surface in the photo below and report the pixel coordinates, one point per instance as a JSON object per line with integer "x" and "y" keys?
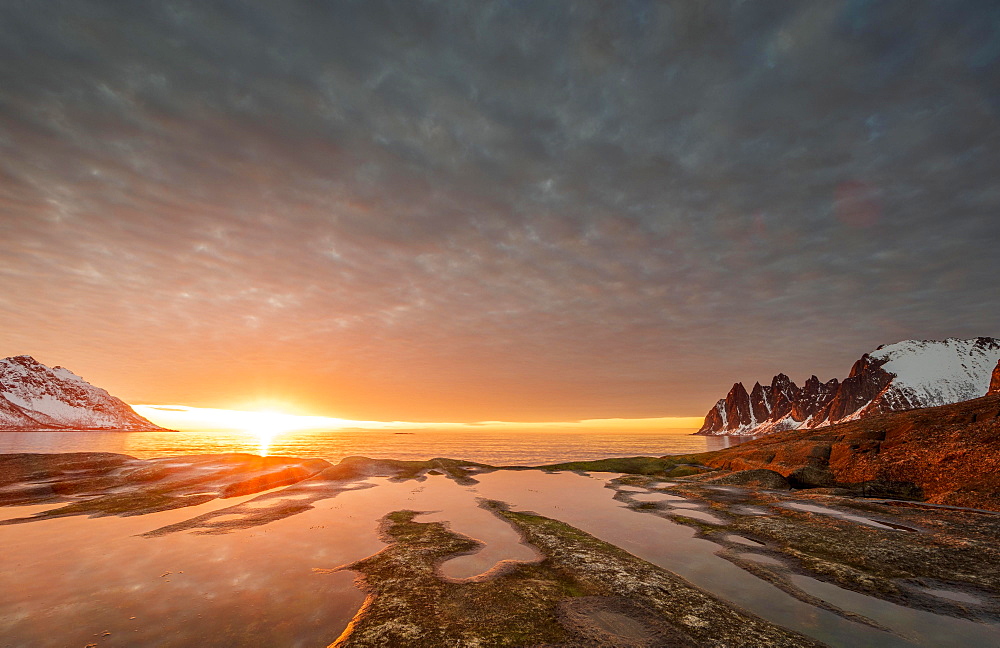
{"x": 99, "y": 484}
{"x": 616, "y": 622}
{"x": 758, "y": 478}
{"x": 583, "y": 593}
{"x": 894, "y": 551}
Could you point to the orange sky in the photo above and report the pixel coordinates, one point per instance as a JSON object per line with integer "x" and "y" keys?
{"x": 354, "y": 378}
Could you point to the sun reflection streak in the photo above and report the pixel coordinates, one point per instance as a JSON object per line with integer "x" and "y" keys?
{"x": 265, "y": 442}
{"x": 267, "y": 425}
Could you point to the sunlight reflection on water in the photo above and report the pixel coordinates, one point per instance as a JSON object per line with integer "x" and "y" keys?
{"x": 261, "y": 584}
{"x": 494, "y": 447}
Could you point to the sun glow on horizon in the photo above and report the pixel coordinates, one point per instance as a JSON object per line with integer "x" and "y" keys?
{"x": 267, "y": 423}
{"x": 263, "y": 424}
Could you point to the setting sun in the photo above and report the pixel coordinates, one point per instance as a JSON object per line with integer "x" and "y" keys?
{"x": 263, "y": 421}
{"x": 264, "y": 424}
{"x": 268, "y": 424}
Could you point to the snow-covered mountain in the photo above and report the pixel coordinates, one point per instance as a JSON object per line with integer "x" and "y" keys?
{"x": 34, "y": 396}
{"x": 905, "y": 375}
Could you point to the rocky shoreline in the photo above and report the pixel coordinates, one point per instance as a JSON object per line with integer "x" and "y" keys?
{"x": 900, "y": 509}
{"x": 942, "y": 560}
{"x": 941, "y": 455}
{"x": 584, "y": 592}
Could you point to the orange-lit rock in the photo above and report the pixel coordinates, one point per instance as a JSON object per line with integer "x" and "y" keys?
{"x": 945, "y": 455}
{"x": 995, "y": 381}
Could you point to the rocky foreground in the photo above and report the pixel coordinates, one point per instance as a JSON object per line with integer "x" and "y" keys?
{"x": 783, "y": 508}
{"x": 584, "y": 593}
{"x": 895, "y": 507}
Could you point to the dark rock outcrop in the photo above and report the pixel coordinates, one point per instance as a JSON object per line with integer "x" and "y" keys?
{"x": 814, "y": 398}
{"x": 995, "y": 381}
{"x": 863, "y": 386}
{"x": 755, "y": 478}
{"x": 811, "y": 477}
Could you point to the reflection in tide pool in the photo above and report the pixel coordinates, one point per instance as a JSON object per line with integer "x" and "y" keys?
{"x": 459, "y": 507}
{"x": 272, "y": 584}
{"x": 860, "y": 519}
{"x": 255, "y": 587}
{"x": 586, "y": 504}
{"x": 657, "y": 497}
{"x": 920, "y": 627}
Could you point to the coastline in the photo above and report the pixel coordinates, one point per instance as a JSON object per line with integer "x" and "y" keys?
{"x": 876, "y": 550}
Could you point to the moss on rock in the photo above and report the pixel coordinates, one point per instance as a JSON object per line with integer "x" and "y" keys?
{"x": 585, "y": 592}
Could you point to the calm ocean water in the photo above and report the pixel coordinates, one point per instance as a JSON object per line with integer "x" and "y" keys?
{"x": 493, "y": 447}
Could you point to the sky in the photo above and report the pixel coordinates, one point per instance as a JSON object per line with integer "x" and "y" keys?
{"x": 521, "y": 210}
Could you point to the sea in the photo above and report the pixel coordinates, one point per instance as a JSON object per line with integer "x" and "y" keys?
{"x": 499, "y": 448}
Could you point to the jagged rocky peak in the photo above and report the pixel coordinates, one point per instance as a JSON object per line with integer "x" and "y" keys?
{"x": 995, "y": 380}
{"x": 740, "y": 411}
{"x": 738, "y": 405}
{"x": 34, "y": 396}
{"x": 813, "y": 398}
{"x": 759, "y": 402}
{"x": 783, "y": 393}
{"x": 862, "y": 386}
{"x": 904, "y": 375}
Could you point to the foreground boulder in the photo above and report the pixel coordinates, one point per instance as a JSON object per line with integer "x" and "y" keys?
{"x": 811, "y": 477}
{"x": 753, "y": 478}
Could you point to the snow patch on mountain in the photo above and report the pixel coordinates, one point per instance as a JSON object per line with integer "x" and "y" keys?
{"x": 932, "y": 372}
{"x": 34, "y": 396}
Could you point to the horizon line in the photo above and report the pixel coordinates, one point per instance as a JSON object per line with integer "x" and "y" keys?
{"x": 186, "y": 417}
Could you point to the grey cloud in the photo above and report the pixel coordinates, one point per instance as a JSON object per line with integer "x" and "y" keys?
{"x": 660, "y": 196}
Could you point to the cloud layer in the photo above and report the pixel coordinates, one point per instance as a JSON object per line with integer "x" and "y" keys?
{"x": 492, "y": 210}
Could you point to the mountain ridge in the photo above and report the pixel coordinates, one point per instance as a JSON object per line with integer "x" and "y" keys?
{"x": 894, "y": 377}
{"x": 34, "y": 396}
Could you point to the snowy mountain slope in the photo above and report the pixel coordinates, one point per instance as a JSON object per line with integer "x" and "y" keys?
{"x": 929, "y": 373}
{"x": 905, "y": 375}
{"x": 13, "y": 417}
{"x": 33, "y": 395}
